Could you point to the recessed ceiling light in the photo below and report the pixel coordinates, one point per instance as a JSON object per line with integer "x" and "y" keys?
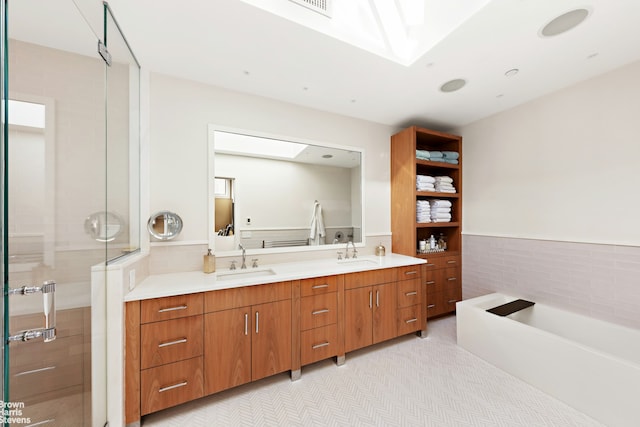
{"x": 500, "y": 96}
{"x": 453, "y": 85}
{"x": 593, "y": 55}
{"x": 512, "y": 72}
{"x": 564, "y": 22}
{"x": 305, "y": 88}
{"x": 246, "y": 72}
{"x": 327, "y": 156}
{"x": 353, "y": 100}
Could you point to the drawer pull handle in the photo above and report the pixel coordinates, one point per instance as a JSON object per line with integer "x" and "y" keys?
{"x": 452, "y": 300}
{"x": 246, "y": 323}
{"x": 34, "y": 371}
{"x": 168, "y": 343}
{"x": 171, "y": 387}
{"x": 411, "y": 320}
{"x": 370, "y": 299}
{"x": 431, "y": 305}
{"x": 431, "y": 282}
{"x": 430, "y": 265}
{"x": 410, "y": 294}
{"x": 324, "y": 344}
{"x": 410, "y": 272}
{"x": 451, "y": 279}
{"x": 326, "y": 285}
{"x": 324, "y": 310}
{"x": 377, "y": 298}
{"x": 257, "y": 322}
{"x": 452, "y": 262}
{"x": 179, "y": 307}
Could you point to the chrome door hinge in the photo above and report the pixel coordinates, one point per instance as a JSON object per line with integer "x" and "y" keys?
{"x": 102, "y": 50}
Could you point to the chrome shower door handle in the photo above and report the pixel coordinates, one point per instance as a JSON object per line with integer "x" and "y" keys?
{"x": 48, "y": 332}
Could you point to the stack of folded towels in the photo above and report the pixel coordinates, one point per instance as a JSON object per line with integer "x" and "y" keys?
{"x": 440, "y": 211}
{"x": 444, "y": 184}
{"x": 438, "y": 156}
{"x": 423, "y": 211}
{"x": 425, "y": 183}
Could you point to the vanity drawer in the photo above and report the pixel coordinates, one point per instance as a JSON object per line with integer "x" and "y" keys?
{"x": 318, "y": 344}
{"x": 409, "y": 319}
{"x": 451, "y": 261}
{"x": 409, "y": 272}
{"x": 319, "y": 310}
{"x": 433, "y": 280}
{"x": 171, "y": 341}
{"x": 368, "y": 278}
{"x": 409, "y": 293}
{"x": 226, "y": 299}
{"x": 170, "y": 385}
{"x": 157, "y": 309}
{"x": 433, "y": 263}
{"x": 435, "y": 304}
{"x": 43, "y": 367}
{"x": 318, "y": 285}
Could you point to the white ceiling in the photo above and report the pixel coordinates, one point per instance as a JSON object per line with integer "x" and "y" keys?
{"x": 232, "y": 44}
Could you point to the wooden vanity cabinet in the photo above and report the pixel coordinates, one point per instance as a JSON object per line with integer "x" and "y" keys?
{"x": 441, "y": 278}
{"x": 319, "y": 319}
{"x": 170, "y": 351}
{"x": 370, "y": 308}
{"x": 247, "y": 334}
{"x": 411, "y": 310}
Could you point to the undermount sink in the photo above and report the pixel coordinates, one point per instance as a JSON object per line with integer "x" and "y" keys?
{"x": 356, "y": 261}
{"x": 244, "y": 274}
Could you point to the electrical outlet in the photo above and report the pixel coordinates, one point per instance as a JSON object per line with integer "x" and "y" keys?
{"x": 132, "y": 279}
{"x": 248, "y": 221}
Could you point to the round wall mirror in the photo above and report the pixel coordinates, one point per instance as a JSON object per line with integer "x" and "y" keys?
{"x": 103, "y": 226}
{"x": 164, "y": 225}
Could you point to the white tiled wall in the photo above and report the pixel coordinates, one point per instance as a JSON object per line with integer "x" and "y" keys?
{"x": 597, "y": 280}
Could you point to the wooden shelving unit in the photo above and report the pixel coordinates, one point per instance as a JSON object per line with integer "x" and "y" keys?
{"x": 442, "y": 273}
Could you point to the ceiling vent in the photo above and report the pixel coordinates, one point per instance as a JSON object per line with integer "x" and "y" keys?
{"x": 320, "y": 6}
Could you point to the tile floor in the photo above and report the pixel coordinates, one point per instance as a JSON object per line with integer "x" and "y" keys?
{"x": 405, "y": 382}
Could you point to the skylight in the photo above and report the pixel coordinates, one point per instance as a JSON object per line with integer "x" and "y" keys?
{"x": 399, "y": 30}
{"x": 253, "y": 146}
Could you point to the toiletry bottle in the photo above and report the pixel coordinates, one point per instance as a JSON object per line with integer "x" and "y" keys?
{"x": 209, "y": 262}
{"x": 432, "y": 242}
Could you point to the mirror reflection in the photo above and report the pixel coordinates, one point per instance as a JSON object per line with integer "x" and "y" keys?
{"x": 275, "y": 193}
{"x": 164, "y": 225}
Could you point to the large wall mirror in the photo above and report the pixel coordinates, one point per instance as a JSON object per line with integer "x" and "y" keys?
{"x": 275, "y": 194}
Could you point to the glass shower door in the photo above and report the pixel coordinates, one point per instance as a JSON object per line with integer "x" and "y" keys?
{"x": 55, "y": 179}
{"x": 59, "y": 217}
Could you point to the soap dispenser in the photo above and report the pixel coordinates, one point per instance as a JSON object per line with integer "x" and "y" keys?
{"x": 432, "y": 242}
{"x": 380, "y": 250}
{"x": 209, "y": 262}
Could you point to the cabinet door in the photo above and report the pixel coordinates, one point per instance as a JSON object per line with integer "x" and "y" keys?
{"x": 384, "y": 312}
{"x": 227, "y": 349}
{"x": 358, "y": 318}
{"x": 271, "y": 345}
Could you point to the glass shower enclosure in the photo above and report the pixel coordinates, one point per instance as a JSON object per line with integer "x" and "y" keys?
{"x": 70, "y": 201}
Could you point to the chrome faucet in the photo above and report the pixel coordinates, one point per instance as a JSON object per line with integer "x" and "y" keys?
{"x": 244, "y": 257}
{"x": 354, "y": 253}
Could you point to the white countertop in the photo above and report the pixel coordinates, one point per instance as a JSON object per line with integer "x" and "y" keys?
{"x": 164, "y": 285}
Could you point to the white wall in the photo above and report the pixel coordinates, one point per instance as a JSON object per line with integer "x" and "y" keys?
{"x": 562, "y": 167}
{"x": 181, "y": 110}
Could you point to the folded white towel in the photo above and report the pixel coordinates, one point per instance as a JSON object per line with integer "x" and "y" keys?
{"x": 440, "y": 203}
{"x": 444, "y": 185}
{"x": 425, "y": 178}
{"x": 446, "y": 190}
{"x": 444, "y": 179}
{"x": 442, "y": 210}
{"x": 441, "y": 220}
{"x": 440, "y": 215}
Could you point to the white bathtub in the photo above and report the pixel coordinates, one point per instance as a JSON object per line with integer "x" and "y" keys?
{"x": 591, "y": 365}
